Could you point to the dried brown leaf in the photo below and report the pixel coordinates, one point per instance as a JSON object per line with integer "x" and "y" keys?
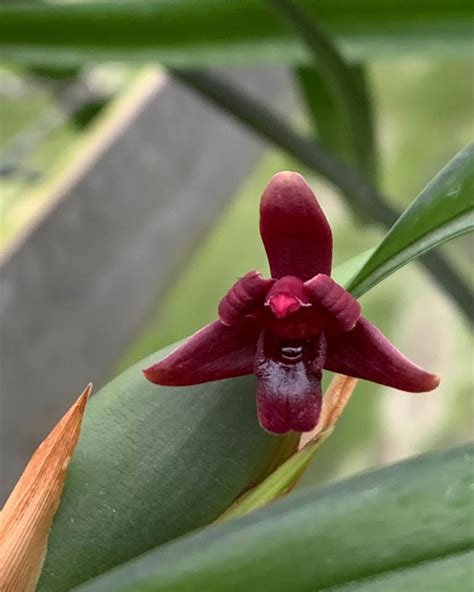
{"x": 26, "y": 518}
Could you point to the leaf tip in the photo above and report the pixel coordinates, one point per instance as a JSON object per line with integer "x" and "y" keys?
{"x": 27, "y": 515}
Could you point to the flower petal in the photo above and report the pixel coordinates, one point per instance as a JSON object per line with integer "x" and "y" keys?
{"x": 213, "y": 353}
{"x": 366, "y": 353}
{"x": 341, "y": 307}
{"x": 289, "y": 383}
{"x": 245, "y": 295}
{"x": 294, "y": 229}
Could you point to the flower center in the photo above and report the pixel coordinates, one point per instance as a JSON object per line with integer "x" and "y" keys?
{"x": 291, "y": 353}
{"x": 287, "y": 296}
{"x": 283, "y": 304}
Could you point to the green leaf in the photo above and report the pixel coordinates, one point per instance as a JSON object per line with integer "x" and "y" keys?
{"x": 278, "y": 483}
{"x": 346, "y": 86}
{"x": 152, "y": 464}
{"x": 345, "y": 271}
{"x": 190, "y": 33}
{"x": 321, "y": 108}
{"x": 442, "y": 211}
{"x": 452, "y": 574}
{"x": 378, "y": 524}
{"x": 331, "y": 128}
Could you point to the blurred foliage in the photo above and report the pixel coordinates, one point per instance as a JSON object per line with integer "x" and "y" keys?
{"x": 45, "y": 113}
{"x": 189, "y": 33}
{"x": 28, "y": 110}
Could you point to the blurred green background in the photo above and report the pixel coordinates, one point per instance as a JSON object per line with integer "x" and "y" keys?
{"x": 423, "y": 117}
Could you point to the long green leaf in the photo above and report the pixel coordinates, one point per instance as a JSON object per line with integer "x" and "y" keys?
{"x": 376, "y": 524}
{"x": 325, "y": 116}
{"x": 322, "y": 111}
{"x": 152, "y": 464}
{"x": 453, "y": 574}
{"x": 346, "y": 86}
{"x": 442, "y": 211}
{"x": 190, "y": 33}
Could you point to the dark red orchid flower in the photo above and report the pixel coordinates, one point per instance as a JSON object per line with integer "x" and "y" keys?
{"x": 289, "y": 328}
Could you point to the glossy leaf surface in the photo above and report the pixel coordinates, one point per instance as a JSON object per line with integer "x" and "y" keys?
{"x": 152, "y": 464}
{"x": 410, "y": 515}
{"x": 441, "y": 212}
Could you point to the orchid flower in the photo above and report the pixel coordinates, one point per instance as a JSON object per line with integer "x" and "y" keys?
{"x": 291, "y": 327}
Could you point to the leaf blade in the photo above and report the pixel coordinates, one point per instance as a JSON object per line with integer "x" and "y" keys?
{"x": 379, "y": 522}
{"x": 325, "y": 117}
{"x": 449, "y": 574}
{"x": 441, "y": 212}
{"x": 185, "y": 33}
{"x": 345, "y": 85}
{"x": 140, "y": 445}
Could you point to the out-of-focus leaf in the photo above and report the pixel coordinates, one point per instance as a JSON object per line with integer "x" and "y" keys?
{"x": 323, "y": 113}
{"x": 330, "y": 126}
{"x": 442, "y": 211}
{"x": 26, "y": 518}
{"x": 153, "y": 463}
{"x": 319, "y": 105}
{"x": 285, "y": 477}
{"x": 190, "y": 33}
{"x": 345, "y": 85}
{"x": 376, "y": 524}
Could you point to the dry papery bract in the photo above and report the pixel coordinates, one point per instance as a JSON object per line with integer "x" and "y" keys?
{"x": 26, "y": 518}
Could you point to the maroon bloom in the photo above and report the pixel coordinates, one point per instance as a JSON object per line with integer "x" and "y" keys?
{"x": 289, "y": 328}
